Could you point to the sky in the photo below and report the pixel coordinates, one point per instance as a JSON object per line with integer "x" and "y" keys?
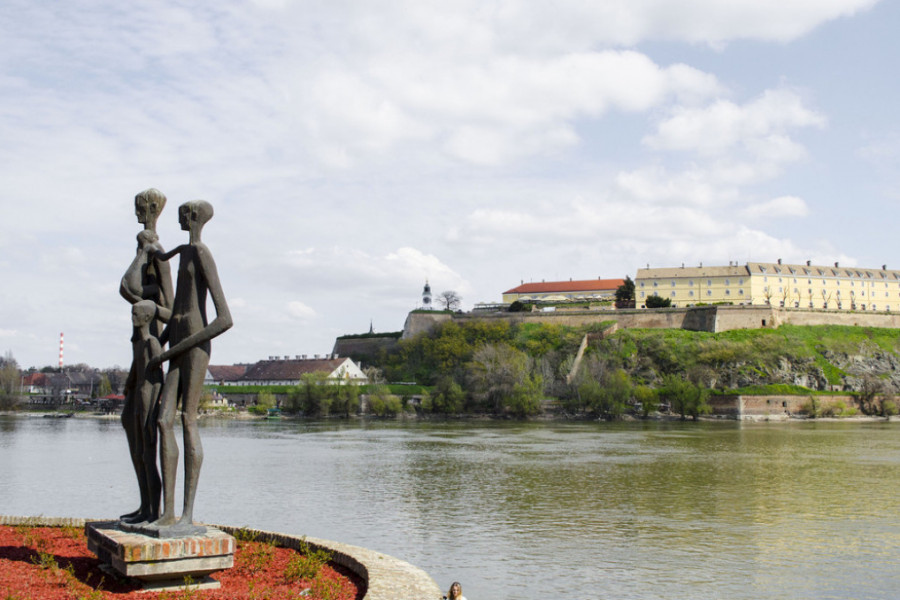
{"x": 355, "y": 150}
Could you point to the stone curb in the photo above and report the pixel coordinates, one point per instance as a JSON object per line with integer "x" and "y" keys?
{"x": 386, "y": 577}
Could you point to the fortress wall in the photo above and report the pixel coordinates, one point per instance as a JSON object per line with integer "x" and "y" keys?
{"x": 836, "y": 317}
{"x": 362, "y": 347}
{"x": 417, "y": 322}
{"x": 745, "y": 317}
{"x": 699, "y": 318}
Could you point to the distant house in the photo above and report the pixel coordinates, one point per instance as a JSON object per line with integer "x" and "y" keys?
{"x": 287, "y": 371}
{"x": 35, "y": 383}
{"x": 225, "y": 374}
{"x": 561, "y": 291}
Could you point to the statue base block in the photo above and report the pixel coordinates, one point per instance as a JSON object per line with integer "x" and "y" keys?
{"x": 162, "y": 563}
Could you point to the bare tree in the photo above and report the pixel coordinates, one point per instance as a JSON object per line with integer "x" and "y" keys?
{"x": 450, "y": 300}
{"x": 10, "y": 382}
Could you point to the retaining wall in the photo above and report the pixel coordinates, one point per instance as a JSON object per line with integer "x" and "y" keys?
{"x": 774, "y": 406}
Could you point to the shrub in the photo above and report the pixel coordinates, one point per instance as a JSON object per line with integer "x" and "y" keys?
{"x": 307, "y": 564}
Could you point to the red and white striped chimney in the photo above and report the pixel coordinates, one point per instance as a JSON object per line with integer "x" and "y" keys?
{"x": 60, "y": 351}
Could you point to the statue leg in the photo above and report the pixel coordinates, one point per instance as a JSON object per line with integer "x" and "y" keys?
{"x": 193, "y": 376}
{"x": 168, "y": 448}
{"x": 148, "y": 428}
{"x": 129, "y": 423}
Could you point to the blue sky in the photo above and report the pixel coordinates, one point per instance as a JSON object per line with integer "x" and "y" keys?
{"x": 353, "y": 150}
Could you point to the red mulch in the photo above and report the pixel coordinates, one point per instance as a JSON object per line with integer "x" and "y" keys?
{"x": 53, "y": 563}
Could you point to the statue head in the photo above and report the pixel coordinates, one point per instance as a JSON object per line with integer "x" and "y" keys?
{"x": 147, "y": 207}
{"x": 193, "y": 215}
{"x": 143, "y": 312}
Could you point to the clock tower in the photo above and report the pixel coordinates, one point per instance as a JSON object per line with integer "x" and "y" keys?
{"x": 426, "y": 296}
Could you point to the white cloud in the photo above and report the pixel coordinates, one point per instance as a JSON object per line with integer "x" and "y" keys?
{"x": 783, "y": 206}
{"x": 300, "y": 311}
{"x": 758, "y": 125}
{"x": 358, "y": 273}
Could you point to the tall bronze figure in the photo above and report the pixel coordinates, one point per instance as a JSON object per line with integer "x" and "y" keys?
{"x": 189, "y": 334}
{"x": 148, "y": 282}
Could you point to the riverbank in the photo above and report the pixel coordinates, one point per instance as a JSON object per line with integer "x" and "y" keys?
{"x": 770, "y": 416}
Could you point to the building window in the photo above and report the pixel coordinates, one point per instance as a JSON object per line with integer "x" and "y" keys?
{"x": 709, "y": 282}
{"x": 727, "y": 292}
{"x": 673, "y": 283}
{"x": 673, "y": 294}
{"x": 691, "y": 283}
{"x": 691, "y": 293}
{"x": 655, "y": 284}
{"x": 741, "y": 292}
{"x": 642, "y": 294}
{"x": 727, "y": 282}
{"x": 709, "y": 292}
{"x": 642, "y": 284}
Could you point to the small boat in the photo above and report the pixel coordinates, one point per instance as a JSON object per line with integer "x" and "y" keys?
{"x": 273, "y": 414}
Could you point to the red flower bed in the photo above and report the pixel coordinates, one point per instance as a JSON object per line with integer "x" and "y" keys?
{"x": 53, "y": 563}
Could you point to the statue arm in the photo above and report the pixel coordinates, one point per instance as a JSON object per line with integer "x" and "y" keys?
{"x": 132, "y": 286}
{"x": 166, "y": 291}
{"x": 223, "y": 320}
{"x": 164, "y": 256}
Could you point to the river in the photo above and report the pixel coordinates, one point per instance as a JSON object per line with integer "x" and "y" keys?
{"x": 527, "y": 510}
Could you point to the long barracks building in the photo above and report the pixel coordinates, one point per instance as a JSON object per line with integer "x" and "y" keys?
{"x": 798, "y": 286}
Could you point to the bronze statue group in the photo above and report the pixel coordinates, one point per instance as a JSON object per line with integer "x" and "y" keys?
{"x": 162, "y": 316}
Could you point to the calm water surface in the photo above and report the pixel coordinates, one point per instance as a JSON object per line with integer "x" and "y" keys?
{"x": 528, "y": 511}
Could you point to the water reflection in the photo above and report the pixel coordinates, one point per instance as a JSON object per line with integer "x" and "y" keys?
{"x": 581, "y": 510}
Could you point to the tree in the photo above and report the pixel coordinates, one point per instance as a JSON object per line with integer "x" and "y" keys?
{"x": 450, "y": 300}
{"x": 655, "y": 301}
{"x": 346, "y": 398}
{"x": 616, "y": 392}
{"x": 383, "y": 403}
{"x": 686, "y": 398}
{"x": 519, "y": 306}
{"x": 502, "y": 377}
{"x": 449, "y": 397}
{"x": 625, "y": 292}
{"x": 264, "y": 401}
{"x": 647, "y": 397}
{"x": 869, "y": 389}
{"x": 10, "y": 383}
{"x": 104, "y": 388}
{"x": 312, "y": 395}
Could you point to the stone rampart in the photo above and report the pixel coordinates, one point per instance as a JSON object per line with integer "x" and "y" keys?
{"x": 363, "y": 348}
{"x": 696, "y": 318}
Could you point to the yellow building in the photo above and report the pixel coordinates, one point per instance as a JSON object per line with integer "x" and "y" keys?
{"x": 797, "y": 286}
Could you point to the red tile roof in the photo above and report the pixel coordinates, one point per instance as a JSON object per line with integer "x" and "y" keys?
{"x": 227, "y": 372}
{"x": 284, "y": 370}
{"x": 585, "y": 285}
{"x": 35, "y": 379}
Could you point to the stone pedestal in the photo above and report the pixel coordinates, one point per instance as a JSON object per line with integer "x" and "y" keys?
{"x": 161, "y": 563}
